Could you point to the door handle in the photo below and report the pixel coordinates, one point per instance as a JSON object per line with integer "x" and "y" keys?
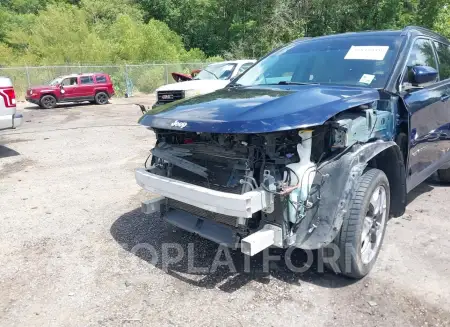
{"x": 445, "y": 97}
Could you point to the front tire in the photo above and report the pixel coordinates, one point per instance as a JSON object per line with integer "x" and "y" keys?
{"x": 47, "y": 102}
{"x": 101, "y": 98}
{"x": 362, "y": 232}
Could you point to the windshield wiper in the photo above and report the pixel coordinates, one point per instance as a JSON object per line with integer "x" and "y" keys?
{"x": 235, "y": 85}
{"x": 294, "y": 83}
{"x": 211, "y": 73}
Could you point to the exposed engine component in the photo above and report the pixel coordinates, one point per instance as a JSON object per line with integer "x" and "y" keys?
{"x": 302, "y": 175}
{"x": 282, "y": 165}
{"x": 233, "y": 163}
{"x": 361, "y": 126}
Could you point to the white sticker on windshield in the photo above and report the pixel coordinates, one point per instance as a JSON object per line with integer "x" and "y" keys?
{"x": 367, "y": 52}
{"x": 367, "y": 79}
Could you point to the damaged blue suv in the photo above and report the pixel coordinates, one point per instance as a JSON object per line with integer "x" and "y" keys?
{"x": 315, "y": 146}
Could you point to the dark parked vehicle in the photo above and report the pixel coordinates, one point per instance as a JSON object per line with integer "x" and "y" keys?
{"x": 95, "y": 88}
{"x": 315, "y": 146}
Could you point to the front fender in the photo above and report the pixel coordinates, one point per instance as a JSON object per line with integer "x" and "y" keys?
{"x": 331, "y": 193}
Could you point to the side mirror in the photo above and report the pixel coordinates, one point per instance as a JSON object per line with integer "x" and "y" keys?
{"x": 423, "y": 74}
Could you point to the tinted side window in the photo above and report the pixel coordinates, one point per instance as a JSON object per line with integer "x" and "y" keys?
{"x": 69, "y": 81}
{"x": 100, "y": 79}
{"x": 86, "y": 80}
{"x": 443, "y": 52}
{"x": 422, "y": 54}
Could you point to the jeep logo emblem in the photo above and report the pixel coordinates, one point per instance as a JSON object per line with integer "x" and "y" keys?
{"x": 178, "y": 124}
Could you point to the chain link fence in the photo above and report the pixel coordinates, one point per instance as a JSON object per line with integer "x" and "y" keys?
{"x": 127, "y": 79}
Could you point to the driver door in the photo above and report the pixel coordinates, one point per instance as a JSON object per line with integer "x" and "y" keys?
{"x": 69, "y": 89}
{"x": 428, "y": 114}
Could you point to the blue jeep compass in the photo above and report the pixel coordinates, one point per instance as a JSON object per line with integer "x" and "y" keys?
{"x": 315, "y": 146}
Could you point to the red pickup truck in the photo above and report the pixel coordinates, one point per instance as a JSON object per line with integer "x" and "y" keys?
{"x": 93, "y": 87}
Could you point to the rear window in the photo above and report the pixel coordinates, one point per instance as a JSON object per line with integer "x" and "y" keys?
{"x": 86, "y": 80}
{"x": 100, "y": 79}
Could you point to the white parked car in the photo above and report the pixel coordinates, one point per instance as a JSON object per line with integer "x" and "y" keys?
{"x": 8, "y": 116}
{"x": 214, "y": 77}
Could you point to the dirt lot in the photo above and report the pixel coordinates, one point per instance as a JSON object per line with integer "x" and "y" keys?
{"x": 70, "y": 217}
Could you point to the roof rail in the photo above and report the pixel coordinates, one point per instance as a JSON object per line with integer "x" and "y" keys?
{"x": 422, "y": 30}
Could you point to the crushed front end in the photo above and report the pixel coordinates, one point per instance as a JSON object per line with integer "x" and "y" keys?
{"x": 221, "y": 186}
{"x": 250, "y": 190}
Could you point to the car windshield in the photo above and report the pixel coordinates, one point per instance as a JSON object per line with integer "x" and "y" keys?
{"x": 350, "y": 60}
{"x": 217, "y": 71}
{"x": 56, "y": 81}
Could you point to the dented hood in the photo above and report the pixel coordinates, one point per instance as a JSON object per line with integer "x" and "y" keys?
{"x": 259, "y": 109}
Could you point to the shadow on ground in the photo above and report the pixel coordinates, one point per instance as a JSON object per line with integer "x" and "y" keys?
{"x": 135, "y": 230}
{"x": 426, "y": 187}
{"x": 59, "y": 106}
{"x": 419, "y": 190}
{"x": 6, "y": 152}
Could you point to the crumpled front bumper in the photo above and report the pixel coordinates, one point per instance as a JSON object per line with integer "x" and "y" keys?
{"x": 237, "y": 205}
{"x": 32, "y": 100}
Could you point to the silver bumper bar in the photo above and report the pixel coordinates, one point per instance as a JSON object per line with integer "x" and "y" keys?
{"x": 236, "y": 205}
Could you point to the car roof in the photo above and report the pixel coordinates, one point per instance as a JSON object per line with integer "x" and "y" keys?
{"x": 411, "y": 30}
{"x": 81, "y": 74}
{"x": 241, "y": 61}
{"x": 417, "y": 31}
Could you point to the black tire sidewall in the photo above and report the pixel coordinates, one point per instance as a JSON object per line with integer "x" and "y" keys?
{"x": 97, "y": 96}
{"x": 42, "y": 105}
{"x": 350, "y": 242}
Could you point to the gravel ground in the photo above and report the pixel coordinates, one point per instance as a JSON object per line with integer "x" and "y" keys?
{"x": 70, "y": 221}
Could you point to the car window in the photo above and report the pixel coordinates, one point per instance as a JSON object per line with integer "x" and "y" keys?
{"x": 244, "y": 67}
{"x": 421, "y": 54}
{"x": 69, "y": 81}
{"x": 100, "y": 79}
{"x": 86, "y": 80}
{"x": 221, "y": 71}
{"x": 353, "y": 60}
{"x": 443, "y": 52}
{"x": 282, "y": 71}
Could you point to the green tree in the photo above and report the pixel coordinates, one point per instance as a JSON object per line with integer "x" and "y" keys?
{"x": 442, "y": 22}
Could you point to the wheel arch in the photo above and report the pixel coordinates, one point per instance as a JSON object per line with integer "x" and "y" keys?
{"x": 97, "y": 91}
{"x": 48, "y": 93}
{"x": 391, "y": 162}
{"x": 324, "y": 218}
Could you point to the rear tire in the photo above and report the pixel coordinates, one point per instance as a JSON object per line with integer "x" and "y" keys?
{"x": 101, "y": 98}
{"x": 362, "y": 232}
{"x": 444, "y": 175}
{"x": 47, "y": 102}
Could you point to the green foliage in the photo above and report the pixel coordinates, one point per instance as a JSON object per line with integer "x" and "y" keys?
{"x": 150, "y": 79}
{"x": 251, "y": 28}
{"x": 119, "y": 31}
{"x": 85, "y": 31}
{"x": 106, "y": 11}
{"x": 6, "y": 54}
{"x": 442, "y": 23}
